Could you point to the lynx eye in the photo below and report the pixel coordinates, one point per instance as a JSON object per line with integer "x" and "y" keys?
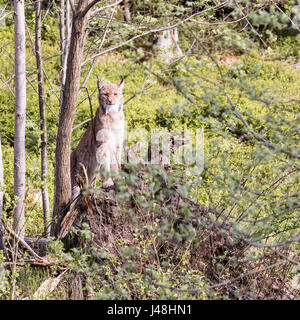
{"x": 115, "y": 94}
{"x": 105, "y": 94}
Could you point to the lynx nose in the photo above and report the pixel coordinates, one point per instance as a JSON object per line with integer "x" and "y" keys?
{"x": 111, "y": 101}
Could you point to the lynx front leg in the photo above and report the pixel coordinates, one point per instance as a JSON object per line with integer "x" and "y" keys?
{"x": 103, "y": 156}
{"x": 117, "y": 152}
{"x": 116, "y": 161}
{"x": 104, "y": 160}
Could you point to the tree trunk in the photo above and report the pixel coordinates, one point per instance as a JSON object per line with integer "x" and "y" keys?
{"x": 65, "y": 34}
{"x": 62, "y": 42}
{"x": 167, "y": 45}
{"x": 1, "y": 182}
{"x": 43, "y": 125}
{"x": 127, "y": 13}
{"x": 20, "y": 113}
{"x": 67, "y": 38}
{"x": 62, "y": 182}
{"x": 2, "y": 245}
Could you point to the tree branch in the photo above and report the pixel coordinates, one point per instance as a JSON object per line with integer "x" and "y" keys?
{"x": 93, "y": 3}
{"x": 72, "y": 6}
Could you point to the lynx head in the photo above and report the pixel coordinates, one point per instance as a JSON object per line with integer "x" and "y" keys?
{"x": 111, "y": 96}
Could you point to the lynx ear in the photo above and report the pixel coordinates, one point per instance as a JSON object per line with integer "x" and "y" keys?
{"x": 121, "y": 84}
{"x": 99, "y": 84}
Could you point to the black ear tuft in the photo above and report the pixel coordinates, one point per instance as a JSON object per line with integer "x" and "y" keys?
{"x": 121, "y": 84}
{"x": 99, "y": 84}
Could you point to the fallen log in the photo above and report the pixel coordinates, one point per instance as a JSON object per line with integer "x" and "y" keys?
{"x": 39, "y": 245}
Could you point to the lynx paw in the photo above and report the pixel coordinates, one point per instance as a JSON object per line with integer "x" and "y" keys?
{"x": 108, "y": 184}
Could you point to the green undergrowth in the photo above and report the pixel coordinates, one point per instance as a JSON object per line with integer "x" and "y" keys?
{"x": 239, "y": 176}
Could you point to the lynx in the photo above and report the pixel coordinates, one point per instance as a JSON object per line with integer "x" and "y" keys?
{"x": 101, "y": 146}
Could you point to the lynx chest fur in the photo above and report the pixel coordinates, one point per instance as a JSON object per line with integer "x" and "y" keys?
{"x": 101, "y": 146}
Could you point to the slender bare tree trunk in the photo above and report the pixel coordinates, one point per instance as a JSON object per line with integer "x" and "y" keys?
{"x": 68, "y": 37}
{"x": 167, "y": 45}
{"x": 20, "y": 113}
{"x": 1, "y": 182}
{"x": 2, "y": 245}
{"x": 43, "y": 125}
{"x": 127, "y": 13}
{"x": 62, "y": 182}
{"x": 65, "y": 36}
{"x": 62, "y": 41}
